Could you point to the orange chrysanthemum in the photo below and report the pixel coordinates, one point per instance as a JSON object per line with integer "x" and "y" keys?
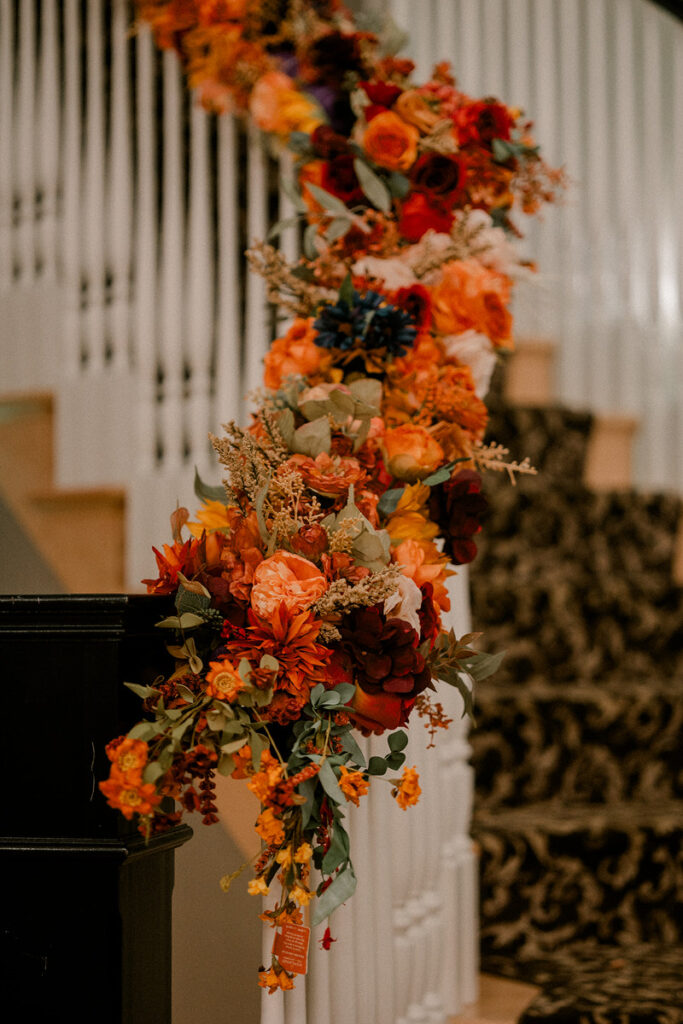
{"x": 352, "y": 784}
{"x": 408, "y": 791}
{"x": 129, "y": 797}
{"x": 129, "y": 756}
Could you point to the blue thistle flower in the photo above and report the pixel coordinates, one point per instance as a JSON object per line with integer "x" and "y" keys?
{"x": 368, "y": 322}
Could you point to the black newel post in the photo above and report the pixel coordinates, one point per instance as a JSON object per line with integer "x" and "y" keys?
{"x": 85, "y": 905}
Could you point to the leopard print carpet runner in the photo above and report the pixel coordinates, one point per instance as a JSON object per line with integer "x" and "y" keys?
{"x": 577, "y": 748}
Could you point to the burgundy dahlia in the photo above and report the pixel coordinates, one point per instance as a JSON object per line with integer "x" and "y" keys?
{"x": 458, "y": 506}
{"x": 385, "y": 653}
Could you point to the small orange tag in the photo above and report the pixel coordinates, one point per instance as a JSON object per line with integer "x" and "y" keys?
{"x": 291, "y": 947}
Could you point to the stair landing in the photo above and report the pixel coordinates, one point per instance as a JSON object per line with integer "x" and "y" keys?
{"x": 500, "y": 1002}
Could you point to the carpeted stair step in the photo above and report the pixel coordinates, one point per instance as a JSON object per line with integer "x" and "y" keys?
{"x": 589, "y": 983}
{"x": 553, "y": 875}
{"x": 577, "y": 586}
{"x": 597, "y": 744}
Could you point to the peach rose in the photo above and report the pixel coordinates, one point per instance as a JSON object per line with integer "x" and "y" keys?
{"x": 390, "y": 142}
{"x": 421, "y": 562}
{"x": 287, "y": 578}
{"x": 329, "y": 475}
{"x": 414, "y": 108}
{"x": 469, "y": 296}
{"x": 278, "y": 106}
{"x": 410, "y": 452}
{"x": 295, "y": 354}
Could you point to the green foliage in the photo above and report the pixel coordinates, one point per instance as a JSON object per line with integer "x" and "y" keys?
{"x": 207, "y": 492}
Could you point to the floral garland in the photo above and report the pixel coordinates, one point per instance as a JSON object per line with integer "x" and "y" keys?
{"x": 310, "y": 590}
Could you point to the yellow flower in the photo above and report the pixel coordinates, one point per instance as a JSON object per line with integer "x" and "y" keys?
{"x": 284, "y": 857}
{"x": 303, "y": 854}
{"x": 409, "y": 519}
{"x": 301, "y": 896}
{"x": 212, "y": 516}
{"x": 270, "y": 828}
{"x": 408, "y": 790}
{"x": 352, "y": 784}
{"x": 257, "y": 887}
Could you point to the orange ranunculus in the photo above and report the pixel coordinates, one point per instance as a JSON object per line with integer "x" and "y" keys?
{"x": 391, "y": 142}
{"x": 375, "y": 712}
{"x": 276, "y": 105}
{"x": 295, "y": 354}
{"x": 422, "y": 562}
{"x": 286, "y": 579}
{"x": 470, "y": 296}
{"x": 410, "y": 452}
{"x": 128, "y": 796}
{"x": 225, "y": 682}
{"x": 129, "y": 756}
{"x": 329, "y": 475}
{"x": 414, "y": 108}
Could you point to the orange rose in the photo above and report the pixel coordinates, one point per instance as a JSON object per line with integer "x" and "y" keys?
{"x": 289, "y": 579}
{"x": 410, "y": 452}
{"x": 276, "y": 105}
{"x": 375, "y": 712}
{"x": 329, "y": 475}
{"x": 472, "y": 297}
{"x": 414, "y": 108}
{"x": 390, "y": 142}
{"x": 295, "y": 354}
{"x": 421, "y": 561}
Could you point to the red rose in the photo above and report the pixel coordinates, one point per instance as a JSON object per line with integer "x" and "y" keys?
{"x": 339, "y": 177}
{"x": 328, "y": 143}
{"x": 483, "y": 121}
{"x": 416, "y": 300}
{"x": 382, "y": 93}
{"x": 419, "y": 214}
{"x": 440, "y": 176}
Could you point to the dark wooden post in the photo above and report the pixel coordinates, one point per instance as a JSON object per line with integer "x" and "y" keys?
{"x": 85, "y": 905}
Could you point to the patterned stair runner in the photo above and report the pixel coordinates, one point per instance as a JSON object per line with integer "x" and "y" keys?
{"x": 577, "y": 747}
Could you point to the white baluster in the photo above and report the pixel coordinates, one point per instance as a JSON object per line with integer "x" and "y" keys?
{"x": 469, "y": 71}
{"x": 172, "y": 250}
{"x": 272, "y": 1003}
{"x": 7, "y": 102}
{"x": 93, "y": 212}
{"x": 72, "y": 184}
{"x": 366, "y": 938}
{"x": 319, "y": 970}
{"x": 492, "y": 56}
{"x": 228, "y": 330}
{"x": 256, "y": 328}
{"x": 48, "y": 121}
{"x": 120, "y": 192}
{"x": 24, "y": 166}
{"x": 145, "y": 272}
{"x": 198, "y": 333}
{"x": 381, "y": 814}
{"x": 289, "y": 238}
{"x": 677, "y": 175}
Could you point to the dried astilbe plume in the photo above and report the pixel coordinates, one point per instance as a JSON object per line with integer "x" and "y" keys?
{"x": 440, "y": 139}
{"x": 341, "y": 595}
{"x": 493, "y": 456}
{"x": 249, "y": 463}
{"x": 285, "y": 288}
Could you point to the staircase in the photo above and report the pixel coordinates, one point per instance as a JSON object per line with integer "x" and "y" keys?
{"x": 579, "y": 798}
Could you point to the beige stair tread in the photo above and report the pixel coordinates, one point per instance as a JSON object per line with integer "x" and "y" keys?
{"x": 501, "y": 1001}
{"x": 81, "y": 496}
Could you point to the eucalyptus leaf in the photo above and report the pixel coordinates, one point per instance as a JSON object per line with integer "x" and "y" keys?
{"x": 309, "y": 241}
{"x": 300, "y": 143}
{"x": 377, "y": 766}
{"x": 367, "y": 390}
{"x": 345, "y": 692}
{"x": 351, "y": 747}
{"x": 142, "y": 691}
{"x": 398, "y": 740}
{"x": 329, "y": 202}
{"x": 179, "y": 730}
{"x": 313, "y": 438}
{"x": 346, "y": 291}
{"x": 373, "y": 187}
{"x": 337, "y": 228}
{"x": 328, "y": 780}
{"x": 207, "y": 492}
{"x": 341, "y": 889}
{"x": 389, "y": 500}
{"x": 395, "y": 760}
{"x": 232, "y": 746}
{"x": 307, "y": 790}
{"x": 142, "y": 731}
{"x": 258, "y": 744}
{"x": 226, "y": 764}
{"x": 152, "y": 772}
{"x": 482, "y": 665}
{"x": 399, "y": 184}
{"x": 338, "y": 851}
{"x": 285, "y": 424}
{"x": 282, "y": 225}
{"x": 439, "y": 476}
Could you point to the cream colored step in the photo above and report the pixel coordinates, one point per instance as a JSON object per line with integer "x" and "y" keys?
{"x": 500, "y": 1002}
{"x": 79, "y": 533}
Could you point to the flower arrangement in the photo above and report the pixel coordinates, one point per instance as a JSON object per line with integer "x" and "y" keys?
{"x": 309, "y": 590}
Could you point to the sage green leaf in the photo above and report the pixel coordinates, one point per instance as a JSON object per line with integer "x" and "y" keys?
{"x": 351, "y": 747}
{"x": 179, "y": 730}
{"x": 226, "y": 764}
{"x": 307, "y": 790}
{"x": 285, "y": 424}
{"x": 282, "y": 225}
{"x": 142, "y": 691}
{"x": 310, "y": 240}
{"x": 337, "y": 228}
{"x": 482, "y": 665}
{"x": 440, "y": 476}
{"x": 395, "y": 760}
{"x": 338, "y": 851}
{"x": 346, "y": 291}
{"x": 328, "y": 780}
{"x": 313, "y": 438}
{"x": 367, "y": 390}
{"x": 232, "y": 746}
{"x": 152, "y": 772}
{"x": 399, "y": 184}
{"x": 217, "y": 721}
{"x": 258, "y": 745}
{"x": 342, "y": 889}
{"x": 186, "y": 693}
{"x": 142, "y": 731}
{"x": 398, "y": 740}
{"x": 207, "y": 492}
{"x": 329, "y": 202}
{"x": 377, "y": 766}
{"x": 389, "y": 500}
{"x": 373, "y": 187}
{"x": 269, "y": 662}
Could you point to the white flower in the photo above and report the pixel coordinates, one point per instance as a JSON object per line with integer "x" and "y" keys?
{"x": 393, "y": 273}
{"x": 476, "y": 351}
{"x": 405, "y": 603}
